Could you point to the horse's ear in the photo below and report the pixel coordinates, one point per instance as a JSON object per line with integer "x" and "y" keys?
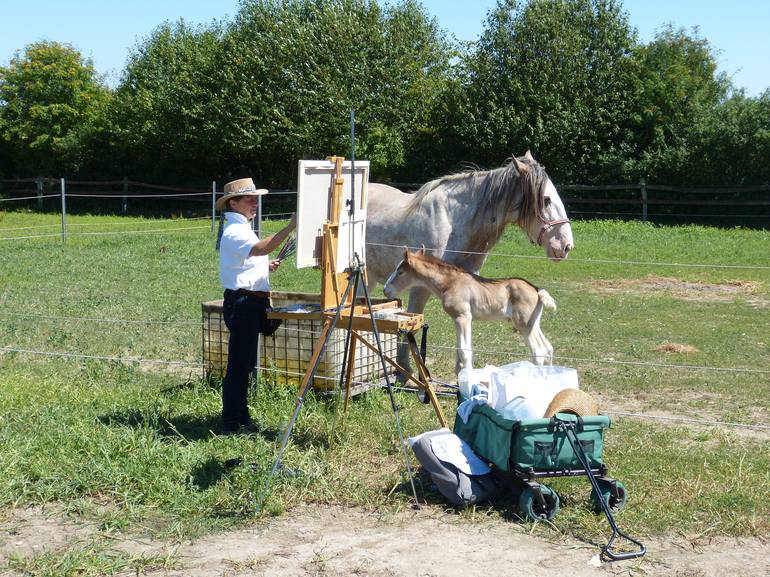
{"x": 528, "y": 156}
{"x": 422, "y": 250}
{"x": 520, "y": 166}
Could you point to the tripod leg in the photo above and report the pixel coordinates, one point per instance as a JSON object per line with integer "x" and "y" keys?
{"x": 306, "y": 380}
{"x": 393, "y": 404}
{"x": 353, "y": 279}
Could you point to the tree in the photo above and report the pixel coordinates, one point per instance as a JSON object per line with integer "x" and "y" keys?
{"x": 292, "y": 70}
{"x": 165, "y": 127}
{"x": 556, "y": 77}
{"x": 679, "y": 88}
{"x": 731, "y": 144}
{"x": 50, "y": 101}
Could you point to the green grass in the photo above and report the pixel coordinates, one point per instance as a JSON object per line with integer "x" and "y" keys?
{"x": 133, "y": 447}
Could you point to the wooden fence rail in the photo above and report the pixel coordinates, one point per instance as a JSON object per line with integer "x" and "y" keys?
{"x": 738, "y": 205}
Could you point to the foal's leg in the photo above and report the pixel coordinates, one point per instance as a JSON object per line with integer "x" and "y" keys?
{"x": 542, "y": 350}
{"x": 464, "y": 358}
{"x": 539, "y": 347}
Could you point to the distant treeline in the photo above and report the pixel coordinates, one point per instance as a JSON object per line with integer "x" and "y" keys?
{"x": 567, "y": 79}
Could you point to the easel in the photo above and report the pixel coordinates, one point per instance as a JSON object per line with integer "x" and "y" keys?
{"x": 338, "y": 303}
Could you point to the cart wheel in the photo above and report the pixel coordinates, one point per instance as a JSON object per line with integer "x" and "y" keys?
{"x": 530, "y": 505}
{"x": 616, "y": 503}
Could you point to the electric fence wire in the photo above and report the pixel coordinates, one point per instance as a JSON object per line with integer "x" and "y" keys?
{"x": 704, "y": 422}
{"x": 496, "y": 352}
{"x": 9, "y": 199}
{"x": 137, "y": 360}
{"x": 197, "y": 323}
{"x": 106, "y": 224}
{"x": 72, "y": 234}
{"x": 30, "y": 236}
{"x": 584, "y": 260}
{"x": 130, "y": 196}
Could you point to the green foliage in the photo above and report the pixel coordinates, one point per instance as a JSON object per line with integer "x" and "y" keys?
{"x": 679, "y": 88}
{"x": 567, "y": 79}
{"x": 731, "y": 144}
{"x": 554, "y": 77}
{"x": 296, "y": 68}
{"x": 165, "y": 126}
{"x": 52, "y": 102}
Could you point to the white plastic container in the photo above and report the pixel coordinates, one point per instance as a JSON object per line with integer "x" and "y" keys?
{"x": 466, "y": 378}
{"x": 537, "y": 384}
{"x": 519, "y": 409}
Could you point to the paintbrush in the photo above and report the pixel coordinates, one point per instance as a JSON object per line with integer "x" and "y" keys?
{"x": 288, "y": 248}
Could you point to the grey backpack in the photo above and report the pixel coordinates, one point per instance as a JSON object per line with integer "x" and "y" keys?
{"x": 458, "y": 487}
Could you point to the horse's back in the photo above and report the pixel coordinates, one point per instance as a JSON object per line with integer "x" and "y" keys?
{"x": 384, "y": 199}
{"x": 387, "y": 229}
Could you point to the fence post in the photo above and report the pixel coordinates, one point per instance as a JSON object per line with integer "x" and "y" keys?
{"x": 39, "y": 185}
{"x": 213, "y": 204}
{"x": 124, "y": 208}
{"x": 643, "y": 189}
{"x": 63, "y": 211}
{"x": 258, "y": 220}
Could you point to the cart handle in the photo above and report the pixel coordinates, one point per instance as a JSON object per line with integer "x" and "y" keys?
{"x": 569, "y": 431}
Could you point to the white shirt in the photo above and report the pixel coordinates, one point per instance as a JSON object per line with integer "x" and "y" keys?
{"x": 236, "y": 268}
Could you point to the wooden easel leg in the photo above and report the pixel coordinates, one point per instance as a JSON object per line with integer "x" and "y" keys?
{"x": 319, "y": 345}
{"x": 351, "y": 364}
{"x": 410, "y": 377}
{"x": 425, "y": 377}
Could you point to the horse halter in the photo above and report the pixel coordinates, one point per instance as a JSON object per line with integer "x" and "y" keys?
{"x": 548, "y": 225}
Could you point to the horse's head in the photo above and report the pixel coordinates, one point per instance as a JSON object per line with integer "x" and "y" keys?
{"x": 541, "y": 213}
{"x": 403, "y": 276}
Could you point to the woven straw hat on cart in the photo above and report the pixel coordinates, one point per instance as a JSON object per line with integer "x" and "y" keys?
{"x": 572, "y": 401}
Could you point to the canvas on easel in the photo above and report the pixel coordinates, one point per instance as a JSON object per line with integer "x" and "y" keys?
{"x": 313, "y": 211}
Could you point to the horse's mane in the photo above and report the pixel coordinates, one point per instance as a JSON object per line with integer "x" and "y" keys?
{"x": 500, "y": 191}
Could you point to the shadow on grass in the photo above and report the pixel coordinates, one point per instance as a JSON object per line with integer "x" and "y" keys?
{"x": 208, "y": 473}
{"x": 211, "y": 383}
{"x": 188, "y": 427}
{"x": 504, "y": 501}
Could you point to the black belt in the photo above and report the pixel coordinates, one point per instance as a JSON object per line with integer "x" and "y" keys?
{"x": 255, "y": 294}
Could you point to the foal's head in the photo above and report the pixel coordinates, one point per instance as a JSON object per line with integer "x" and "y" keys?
{"x": 405, "y": 275}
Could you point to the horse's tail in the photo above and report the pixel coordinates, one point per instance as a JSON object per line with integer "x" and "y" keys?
{"x": 546, "y": 299}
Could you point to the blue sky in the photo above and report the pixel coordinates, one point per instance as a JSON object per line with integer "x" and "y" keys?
{"x": 105, "y": 30}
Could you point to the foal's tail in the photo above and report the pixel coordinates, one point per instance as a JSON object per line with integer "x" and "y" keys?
{"x": 545, "y": 299}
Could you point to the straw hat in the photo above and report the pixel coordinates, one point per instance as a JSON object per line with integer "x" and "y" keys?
{"x": 240, "y": 187}
{"x": 572, "y": 401}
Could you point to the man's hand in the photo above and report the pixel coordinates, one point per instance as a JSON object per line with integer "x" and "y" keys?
{"x": 274, "y": 264}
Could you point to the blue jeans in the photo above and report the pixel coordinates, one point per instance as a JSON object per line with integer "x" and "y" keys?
{"x": 243, "y": 315}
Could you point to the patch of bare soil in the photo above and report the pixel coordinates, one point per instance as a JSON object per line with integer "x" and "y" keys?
{"x": 333, "y": 541}
{"x": 680, "y": 413}
{"x": 31, "y": 532}
{"x": 675, "y": 348}
{"x": 686, "y": 290}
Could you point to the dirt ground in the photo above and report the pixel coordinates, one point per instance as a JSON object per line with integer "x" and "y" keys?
{"x": 332, "y": 541}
